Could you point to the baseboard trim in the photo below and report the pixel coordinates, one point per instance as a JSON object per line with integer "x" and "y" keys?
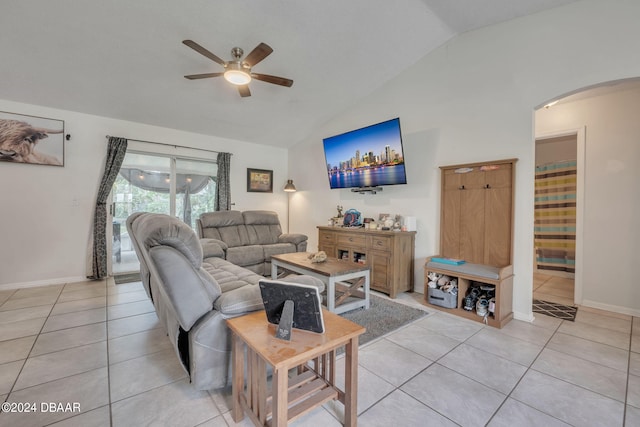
{"x": 610, "y": 307}
{"x": 48, "y": 282}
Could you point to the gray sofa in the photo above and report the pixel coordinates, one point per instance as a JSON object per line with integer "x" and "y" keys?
{"x": 194, "y": 292}
{"x": 248, "y": 238}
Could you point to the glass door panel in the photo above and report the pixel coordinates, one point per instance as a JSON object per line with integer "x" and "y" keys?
{"x": 143, "y": 185}
{"x": 159, "y": 184}
{"x": 195, "y": 189}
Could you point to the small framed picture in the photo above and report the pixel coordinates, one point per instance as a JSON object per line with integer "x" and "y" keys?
{"x": 259, "y": 181}
{"x": 31, "y": 140}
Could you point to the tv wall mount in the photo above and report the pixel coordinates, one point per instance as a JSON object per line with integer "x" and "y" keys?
{"x": 363, "y": 190}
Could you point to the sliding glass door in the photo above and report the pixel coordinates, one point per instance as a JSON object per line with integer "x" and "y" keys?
{"x": 195, "y": 189}
{"x": 160, "y": 184}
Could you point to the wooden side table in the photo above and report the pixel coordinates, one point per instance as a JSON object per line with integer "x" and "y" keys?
{"x": 314, "y": 356}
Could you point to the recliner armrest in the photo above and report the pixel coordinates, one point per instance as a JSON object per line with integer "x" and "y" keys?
{"x": 239, "y": 301}
{"x": 213, "y": 248}
{"x": 187, "y": 292}
{"x": 294, "y": 238}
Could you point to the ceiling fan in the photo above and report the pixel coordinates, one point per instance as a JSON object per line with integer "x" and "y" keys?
{"x": 238, "y": 70}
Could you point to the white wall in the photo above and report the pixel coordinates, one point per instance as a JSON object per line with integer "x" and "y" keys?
{"x": 46, "y": 212}
{"x": 473, "y": 100}
{"x": 612, "y": 199}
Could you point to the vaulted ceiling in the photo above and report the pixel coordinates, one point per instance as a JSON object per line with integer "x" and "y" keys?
{"x": 124, "y": 59}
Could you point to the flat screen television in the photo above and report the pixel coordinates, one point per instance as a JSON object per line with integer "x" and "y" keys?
{"x": 368, "y": 157}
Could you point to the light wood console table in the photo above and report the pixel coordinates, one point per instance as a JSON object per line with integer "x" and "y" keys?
{"x": 389, "y": 254}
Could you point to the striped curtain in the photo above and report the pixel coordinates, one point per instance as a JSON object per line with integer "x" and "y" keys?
{"x": 555, "y": 216}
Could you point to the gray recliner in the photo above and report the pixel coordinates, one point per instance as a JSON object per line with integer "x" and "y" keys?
{"x": 193, "y": 298}
{"x": 248, "y": 238}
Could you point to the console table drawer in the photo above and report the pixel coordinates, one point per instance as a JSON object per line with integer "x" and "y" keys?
{"x": 352, "y": 240}
{"x": 381, "y": 243}
{"x": 327, "y": 237}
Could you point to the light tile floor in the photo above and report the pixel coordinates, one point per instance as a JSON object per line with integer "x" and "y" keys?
{"x": 101, "y": 345}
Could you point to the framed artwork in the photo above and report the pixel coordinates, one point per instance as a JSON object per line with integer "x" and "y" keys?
{"x": 32, "y": 140}
{"x": 259, "y": 181}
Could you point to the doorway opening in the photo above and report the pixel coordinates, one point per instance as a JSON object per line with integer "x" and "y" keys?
{"x": 555, "y": 226}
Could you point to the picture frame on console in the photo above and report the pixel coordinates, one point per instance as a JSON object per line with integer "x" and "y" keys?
{"x": 31, "y": 140}
{"x": 259, "y": 181}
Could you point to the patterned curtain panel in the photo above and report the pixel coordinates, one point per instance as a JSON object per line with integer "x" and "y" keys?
{"x": 555, "y": 216}
{"x": 223, "y": 183}
{"x": 115, "y": 155}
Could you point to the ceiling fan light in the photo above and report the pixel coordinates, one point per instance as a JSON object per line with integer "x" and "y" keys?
{"x": 237, "y": 77}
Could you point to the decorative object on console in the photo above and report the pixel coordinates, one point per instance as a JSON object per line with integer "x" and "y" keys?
{"x": 259, "y": 181}
{"x": 21, "y": 136}
{"x": 352, "y": 218}
{"x": 409, "y": 222}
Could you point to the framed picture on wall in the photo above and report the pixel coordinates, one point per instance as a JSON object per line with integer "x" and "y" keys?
{"x": 31, "y": 140}
{"x": 259, "y": 181}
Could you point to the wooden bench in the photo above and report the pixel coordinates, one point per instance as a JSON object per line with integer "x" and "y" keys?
{"x": 500, "y": 277}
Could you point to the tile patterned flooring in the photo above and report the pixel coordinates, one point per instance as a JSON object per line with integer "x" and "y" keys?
{"x": 101, "y": 345}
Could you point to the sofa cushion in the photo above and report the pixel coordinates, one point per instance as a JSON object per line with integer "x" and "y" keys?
{"x": 227, "y": 226}
{"x": 277, "y": 249}
{"x": 234, "y": 235}
{"x": 229, "y": 276}
{"x": 263, "y": 227}
{"x": 246, "y": 255}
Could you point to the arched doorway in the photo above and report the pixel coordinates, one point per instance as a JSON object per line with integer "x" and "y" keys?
{"x": 602, "y": 120}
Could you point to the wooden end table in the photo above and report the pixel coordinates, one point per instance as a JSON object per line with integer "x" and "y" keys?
{"x": 313, "y": 354}
{"x": 343, "y": 279}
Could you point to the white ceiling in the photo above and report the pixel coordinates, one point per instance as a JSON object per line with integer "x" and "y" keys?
{"x": 124, "y": 59}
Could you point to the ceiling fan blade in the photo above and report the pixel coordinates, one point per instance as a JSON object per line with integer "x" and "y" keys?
{"x": 195, "y": 46}
{"x": 244, "y": 91}
{"x": 258, "y": 54}
{"x": 202, "y": 76}
{"x": 273, "y": 79}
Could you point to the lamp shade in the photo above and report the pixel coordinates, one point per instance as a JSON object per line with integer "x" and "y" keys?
{"x": 289, "y": 188}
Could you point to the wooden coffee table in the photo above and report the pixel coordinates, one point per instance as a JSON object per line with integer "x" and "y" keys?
{"x": 313, "y": 354}
{"x": 343, "y": 279}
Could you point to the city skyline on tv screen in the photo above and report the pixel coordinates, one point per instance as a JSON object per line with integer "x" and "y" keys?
{"x": 370, "y": 156}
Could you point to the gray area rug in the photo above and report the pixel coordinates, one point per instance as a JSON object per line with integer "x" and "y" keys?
{"x": 382, "y": 317}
